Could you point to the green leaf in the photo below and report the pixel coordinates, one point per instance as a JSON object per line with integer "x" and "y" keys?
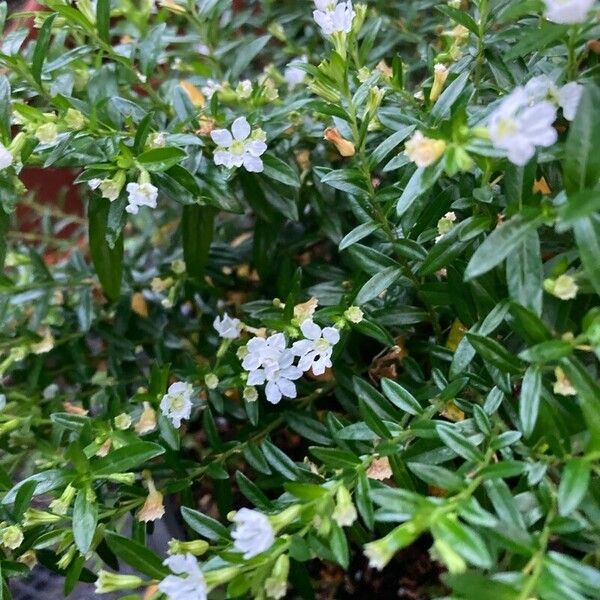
{"x": 103, "y": 19}
{"x": 5, "y": 108}
{"x": 529, "y": 403}
{"x": 335, "y": 458}
{"x": 23, "y": 499}
{"x": 357, "y": 234}
{"x": 573, "y": 485}
{"x": 108, "y": 261}
{"x": 389, "y": 144}
{"x": 464, "y": 540}
{"x": 245, "y": 54}
{"x": 276, "y": 169}
{"x": 419, "y": 183}
{"x": 582, "y": 160}
{"x": 401, "y": 397}
{"x": 136, "y": 555}
{"x": 525, "y": 274}
{"x": 206, "y": 526}
{"x": 441, "y": 109}
{"x": 456, "y": 441}
{"x": 580, "y": 204}
{"x": 282, "y": 463}
{"x": 587, "y": 235}
{"x": 377, "y": 284}
{"x": 494, "y": 353}
{"x": 436, "y": 475}
{"x": 548, "y": 351}
{"x": 126, "y": 458}
{"x": 161, "y": 159}
{"x": 46, "y": 482}
{"x": 85, "y": 519}
{"x": 41, "y": 48}
{"x": 460, "y": 16}
{"x": 339, "y": 545}
{"x": 197, "y": 225}
{"x": 501, "y": 242}
{"x": 363, "y": 500}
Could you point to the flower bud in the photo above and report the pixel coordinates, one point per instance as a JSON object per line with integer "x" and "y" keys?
{"x": 153, "y": 508}
{"x": 285, "y": 517}
{"x": 424, "y": 151}
{"x": 446, "y": 554}
{"x": 374, "y": 99}
{"x": 111, "y": 188}
{"x": 211, "y": 381}
{"x": 445, "y": 224}
{"x": 47, "y": 133}
{"x": 563, "y": 287}
{"x": 60, "y": 506}
{"x": 440, "y": 74}
{"x": 344, "y": 146}
{"x": 353, "y": 314}
{"x": 74, "y": 119}
{"x": 12, "y": 537}
{"x": 195, "y": 547}
{"x": 344, "y": 513}
{"x": 67, "y": 558}
{"x": 122, "y": 421}
{"x": 276, "y": 584}
{"x": 563, "y": 385}
{"x": 34, "y": 517}
{"x": 359, "y": 18}
{"x": 108, "y": 582}
{"x": 172, "y": 6}
{"x": 244, "y": 89}
{"x": 218, "y": 577}
{"x": 28, "y": 559}
{"x": 147, "y": 422}
{"x": 250, "y": 394}
{"x": 122, "y": 478}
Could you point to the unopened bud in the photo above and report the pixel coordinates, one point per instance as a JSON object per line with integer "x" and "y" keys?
{"x": 345, "y": 147}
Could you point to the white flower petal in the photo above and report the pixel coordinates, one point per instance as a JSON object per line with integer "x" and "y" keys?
{"x": 221, "y": 137}
{"x": 240, "y": 129}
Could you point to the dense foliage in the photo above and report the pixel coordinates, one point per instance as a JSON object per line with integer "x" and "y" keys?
{"x": 339, "y": 273}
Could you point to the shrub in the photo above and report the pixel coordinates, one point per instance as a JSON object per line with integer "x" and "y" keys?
{"x": 337, "y": 296}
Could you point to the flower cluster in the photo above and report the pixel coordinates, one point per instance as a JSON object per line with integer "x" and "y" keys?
{"x": 333, "y": 16}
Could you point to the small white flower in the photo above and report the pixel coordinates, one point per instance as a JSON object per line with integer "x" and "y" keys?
{"x": 176, "y": 404}
{"x": 237, "y": 148}
{"x": 260, "y": 352}
{"x": 94, "y": 183}
{"x": 211, "y": 88}
{"x": 50, "y": 391}
{"x": 292, "y": 74}
{"x": 6, "y": 158}
{"x": 253, "y": 532}
{"x": 333, "y": 16}
{"x": 567, "y": 11}
{"x": 140, "y": 194}
{"x": 518, "y": 128}
{"x": 187, "y": 583}
{"x": 47, "y": 133}
{"x": 227, "y": 327}
{"x": 569, "y": 96}
{"x": 315, "y": 351}
{"x": 244, "y": 89}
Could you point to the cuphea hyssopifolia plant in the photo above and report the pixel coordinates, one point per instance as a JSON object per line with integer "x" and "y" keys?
{"x": 344, "y": 264}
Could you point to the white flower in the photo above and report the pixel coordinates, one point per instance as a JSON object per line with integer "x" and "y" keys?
{"x": 261, "y": 352}
{"x": 567, "y": 11}
{"x": 238, "y": 149}
{"x": 518, "y": 128}
{"x": 253, "y": 532}
{"x": 227, "y": 327}
{"x": 315, "y": 351}
{"x": 211, "y": 88}
{"x": 190, "y": 587}
{"x": 47, "y": 133}
{"x": 292, "y": 74}
{"x": 569, "y": 96}
{"x": 244, "y": 89}
{"x": 176, "y": 404}
{"x": 94, "y": 183}
{"x": 140, "y": 194}
{"x": 50, "y": 391}
{"x": 6, "y": 158}
{"x": 333, "y": 16}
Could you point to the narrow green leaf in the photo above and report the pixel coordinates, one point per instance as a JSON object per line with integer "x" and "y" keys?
{"x": 103, "y": 19}
{"x": 85, "y": 519}
{"x": 573, "y": 485}
{"x": 40, "y": 52}
{"x": 377, "y": 284}
{"x": 529, "y": 403}
{"x": 204, "y": 525}
{"x": 197, "y": 225}
{"x": 136, "y": 555}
